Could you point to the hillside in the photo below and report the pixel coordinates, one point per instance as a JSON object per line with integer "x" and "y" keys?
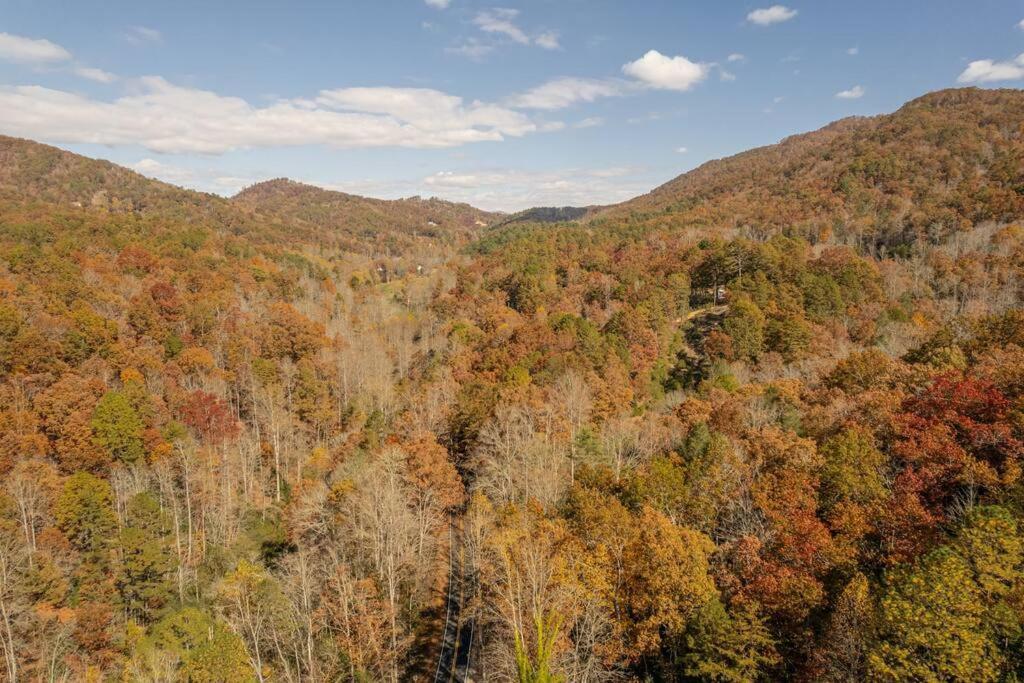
{"x": 362, "y": 219}
{"x": 949, "y": 157}
{"x": 765, "y": 423}
{"x": 278, "y": 209}
{"x": 31, "y": 171}
{"x": 548, "y": 214}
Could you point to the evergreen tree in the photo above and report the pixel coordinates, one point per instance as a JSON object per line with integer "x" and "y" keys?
{"x": 117, "y": 428}
{"x": 147, "y": 559}
{"x": 730, "y": 648}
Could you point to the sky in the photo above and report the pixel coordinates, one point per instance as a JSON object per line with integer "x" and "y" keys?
{"x": 505, "y": 106}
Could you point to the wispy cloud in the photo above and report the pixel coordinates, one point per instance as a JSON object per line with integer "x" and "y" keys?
{"x": 775, "y": 14}
{"x": 41, "y": 52}
{"x": 94, "y": 74}
{"x": 31, "y": 50}
{"x": 501, "y": 20}
{"x": 564, "y": 92}
{"x": 471, "y": 48}
{"x": 514, "y": 189}
{"x": 209, "y": 179}
{"x": 137, "y": 35}
{"x": 548, "y": 40}
{"x": 438, "y": 4}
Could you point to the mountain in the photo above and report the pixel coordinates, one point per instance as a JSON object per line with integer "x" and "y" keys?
{"x": 549, "y": 214}
{"x": 362, "y": 219}
{"x": 34, "y": 172}
{"x": 945, "y": 158}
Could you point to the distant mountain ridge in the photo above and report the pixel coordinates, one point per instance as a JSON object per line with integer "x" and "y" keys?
{"x": 549, "y": 214}
{"x": 35, "y": 172}
{"x": 285, "y": 199}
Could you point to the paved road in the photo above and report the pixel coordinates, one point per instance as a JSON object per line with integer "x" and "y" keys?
{"x": 453, "y": 661}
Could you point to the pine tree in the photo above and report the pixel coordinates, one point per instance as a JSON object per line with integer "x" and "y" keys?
{"x": 147, "y": 559}
{"x": 731, "y": 648}
{"x": 117, "y": 428}
{"x": 932, "y": 625}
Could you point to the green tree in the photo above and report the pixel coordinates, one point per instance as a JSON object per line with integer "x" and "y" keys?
{"x": 146, "y": 559}
{"x": 535, "y": 667}
{"x": 932, "y": 625}
{"x": 853, "y": 469}
{"x": 731, "y": 648}
{"x": 745, "y": 325}
{"x": 789, "y": 335}
{"x": 85, "y": 513}
{"x": 205, "y": 650}
{"x": 117, "y": 428}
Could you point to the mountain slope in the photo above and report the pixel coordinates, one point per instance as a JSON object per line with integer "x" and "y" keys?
{"x": 946, "y": 158}
{"x": 363, "y": 218}
{"x": 34, "y": 172}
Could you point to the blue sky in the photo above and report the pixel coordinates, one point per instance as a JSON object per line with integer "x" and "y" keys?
{"x": 504, "y": 105}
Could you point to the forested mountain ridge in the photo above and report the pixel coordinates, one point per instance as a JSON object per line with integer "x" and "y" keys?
{"x": 360, "y": 217}
{"x": 241, "y": 440}
{"x": 30, "y": 171}
{"x": 943, "y": 159}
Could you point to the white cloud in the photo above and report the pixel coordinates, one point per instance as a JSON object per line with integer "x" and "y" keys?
{"x": 94, "y": 74}
{"x": 589, "y": 122}
{"x": 736, "y": 57}
{"x": 854, "y": 93}
{"x": 39, "y": 51}
{"x": 472, "y": 48}
{"x": 502, "y": 21}
{"x": 771, "y": 15}
{"x": 503, "y": 189}
{"x": 548, "y": 40}
{"x": 853, "y": 51}
{"x": 513, "y": 190}
{"x": 163, "y": 117}
{"x": 438, "y": 4}
{"x": 666, "y": 73}
{"x": 1020, "y": 25}
{"x": 987, "y": 70}
{"x": 682, "y": 150}
{"x": 136, "y": 35}
{"x": 31, "y": 50}
{"x": 727, "y": 76}
{"x": 207, "y": 179}
{"x": 563, "y": 92}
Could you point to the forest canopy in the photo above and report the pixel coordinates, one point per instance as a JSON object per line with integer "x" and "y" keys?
{"x": 763, "y": 423}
